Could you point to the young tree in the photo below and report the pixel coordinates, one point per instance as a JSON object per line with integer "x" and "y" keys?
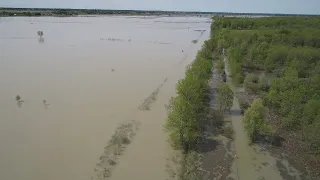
{"x": 225, "y": 97}
{"x": 254, "y": 119}
{"x": 251, "y": 83}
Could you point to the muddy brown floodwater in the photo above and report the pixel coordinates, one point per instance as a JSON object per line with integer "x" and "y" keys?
{"x": 93, "y": 73}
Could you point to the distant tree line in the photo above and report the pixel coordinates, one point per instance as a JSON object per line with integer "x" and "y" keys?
{"x": 73, "y": 12}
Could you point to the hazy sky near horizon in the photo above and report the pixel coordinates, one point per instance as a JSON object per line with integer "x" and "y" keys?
{"x": 251, "y": 6}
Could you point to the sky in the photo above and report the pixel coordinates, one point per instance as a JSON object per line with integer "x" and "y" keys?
{"x": 247, "y": 6}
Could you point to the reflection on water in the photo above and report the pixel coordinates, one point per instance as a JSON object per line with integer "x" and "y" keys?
{"x": 41, "y": 40}
{"x": 74, "y": 71}
{"x": 19, "y": 103}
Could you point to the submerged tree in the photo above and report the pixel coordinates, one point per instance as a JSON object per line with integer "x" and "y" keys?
{"x": 40, "y": 33}
{"x": 41, "y": 39}
{"x": 18, "y": 98}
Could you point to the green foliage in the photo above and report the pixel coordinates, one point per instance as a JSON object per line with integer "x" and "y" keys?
{"x": 254, "y": 119}
{"x": 224, "y": 97}
{"x": 75, "y": 12}
{"x": 288, "y": 50}
{"x": 220, "y": 66}
{"x": 287, "y": 94}
{"x": 264, "y": 84}
{"x": 238, "y": 78}
{"x": 189, "y": 109}
{"x": 311, "y": 110}
{"x": 276, "y": 57}
{"x": 312, "y": 135}
{"x": 234, "y": 57}
{"x": 244, "y": 105}
{"x": 251, "y": 83}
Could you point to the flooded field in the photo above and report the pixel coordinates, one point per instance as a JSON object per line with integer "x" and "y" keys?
{"x": 94, "y": 73}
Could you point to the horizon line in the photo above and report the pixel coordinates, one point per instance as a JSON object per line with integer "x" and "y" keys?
{"x": 141, "y": 10}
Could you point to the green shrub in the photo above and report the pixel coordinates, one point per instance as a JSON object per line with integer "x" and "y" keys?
{"x": 220, "y": 66}
{"x": 238, "y": 78}
{"x": 263, "y": 84}
{"x": 224, "y": 97}
{"x": 251, "y": 83}
{"x": 312, "y": 135}
{"x": 254, "y": 119}
{"x": 244, "y": 105}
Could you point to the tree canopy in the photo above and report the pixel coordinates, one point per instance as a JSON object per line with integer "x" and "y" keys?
{"x": 277, "y": 58}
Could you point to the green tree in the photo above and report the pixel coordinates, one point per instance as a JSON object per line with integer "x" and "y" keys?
{"x": 312, "y": 135}
{"x": 220, "y": 66}
{"x": 251, "y": 83}
{"x": 189, "y": 109}
{"x": 254, "y": 119}
{"x": 225, "y": 97}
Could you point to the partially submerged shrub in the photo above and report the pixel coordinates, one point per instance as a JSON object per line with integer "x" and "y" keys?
{"x": 312, "y": 136}
{"x": 251, "y": 83}
{"x": 238, "y": 78}
{"x": 40, "y": 33}
{"x": 18, "y": 98}
{"x": 244, "y": 105}
{"x": 112, "y": 162}
{"x": 225, "y": 97}
{"x": 227, "y": 131}
{"x": 116, "y": 146}
{"x": 220, "y": 66}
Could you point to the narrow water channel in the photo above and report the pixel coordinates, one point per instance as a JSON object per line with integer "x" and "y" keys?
{"x": 253, "y": 162}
